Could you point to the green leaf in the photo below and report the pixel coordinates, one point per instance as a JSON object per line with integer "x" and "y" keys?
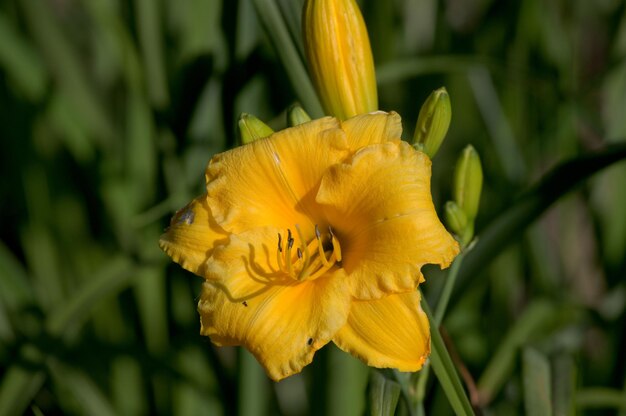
{"x": 383, "y": 395}
{"x": 347, "y": 379}
{"x": 403, "y": 69}
{"x": 253, "y": 386}
{"x": 13, "y": 280}
{"x": 536, "y": 316}
{"x": 507, "y": 227}
{"x": 274, "y": 25}
{"x": 63, "y": 62}
{"x": 115, "y": 275}
{"x": 600, "y": 398}
{"x": 17, "y": 389}
{"x": 20, "y": 385}
{"x": 537, "y": 384}
{"x": 21, "y": 62}
{"x": 72, "y": 381}
{"x": 564, "y": 384}
{"x": 149, "y": 25}
{"x": 445, "y": 371}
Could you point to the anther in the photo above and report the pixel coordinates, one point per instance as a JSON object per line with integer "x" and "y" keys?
{"x": 318, "y": 235}
{"x": 299, "y": 253}
{"x": 289, "y": 240}
{"x": 280, "y": 243}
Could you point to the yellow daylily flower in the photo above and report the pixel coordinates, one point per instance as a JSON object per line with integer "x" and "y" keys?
{"x": 315, "y": 234}
{"x": 339, "y": 56}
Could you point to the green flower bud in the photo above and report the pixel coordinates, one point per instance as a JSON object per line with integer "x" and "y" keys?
{"x": 433, "y": 122}
{"x": 456, "y": 220}
{"x": 251, "y": 128}
{"x": 296, "y": 116}
{"x": 468, "y": 182}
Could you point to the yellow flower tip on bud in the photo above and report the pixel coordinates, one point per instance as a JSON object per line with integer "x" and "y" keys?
{"x": 433, "y": 122}
{"x": 456, "y": 220}
{"x": 251, "y": 128}
{"x": 468, "y": 182}
{"x": 296, "y": 116}
{"x": 339, "y": 56}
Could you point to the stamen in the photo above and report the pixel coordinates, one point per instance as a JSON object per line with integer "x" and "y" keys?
{"x": 335, "y": 243}
{"x": 288, "y": 254}
{"x": 279, "y": 258}
{"x": 324, "y": 269}
{"x": 308, "y": 262}
{"x": 307, "y": 257}
{"x": 320, "y": 246}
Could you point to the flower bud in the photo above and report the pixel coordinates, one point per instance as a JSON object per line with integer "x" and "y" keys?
{"x": 468, "y": 182}
{"x": 433, "y": 122}
{"x": 296, "y": 116}
{"x": 456, "y": 220}
{"x": 251, "y": 128}
{"x": 339, "y": 56}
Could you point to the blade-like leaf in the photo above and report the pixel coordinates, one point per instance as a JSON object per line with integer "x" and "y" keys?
{"x": 383, "y": 395}
{"x": 537, "y": 385}
{"x": 274, "y": 24}
{"x": 509, "y": 225}
{"x": 445, "y": 371}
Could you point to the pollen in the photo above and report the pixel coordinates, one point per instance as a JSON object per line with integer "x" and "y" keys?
{"x": 311, "y": 259}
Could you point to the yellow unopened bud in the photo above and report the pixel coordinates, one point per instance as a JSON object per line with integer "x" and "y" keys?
{"x": 456, "y": 220}
{"x": 468, "y": 182}
{"x": 251, "y": 128}
{"x": 340, "y": 58}
{"x": 433, "y": 122}
{"x": 296, "y": 116}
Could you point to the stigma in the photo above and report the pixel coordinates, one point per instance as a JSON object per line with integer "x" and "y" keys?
{"x": 308, "y": 260}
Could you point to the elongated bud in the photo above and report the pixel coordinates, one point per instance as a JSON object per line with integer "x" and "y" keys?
{"x": 468, "y": 182}
{"x": 296, "y": 116}
{"x": 433, "y": 122}
{"x": 251, "y": 128}
{"x": 340, "y": 58}
{"x": 456, "y": 220}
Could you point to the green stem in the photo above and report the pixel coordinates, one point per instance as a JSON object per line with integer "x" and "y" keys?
{"x": 420, "y": 391}
{"x": 442, "y": 305}
{"x": 445, "y": 371}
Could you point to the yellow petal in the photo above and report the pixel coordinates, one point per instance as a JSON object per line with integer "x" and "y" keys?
{"x": 283, "y": 326}
{"x": 246, "y": 264}
{"x": 391, "y": 332}
{"x": 192, "y": 236}
{"x": 273, "y": 181}
{"x": 380, "y": 207}
{"x": 372, "y": 128}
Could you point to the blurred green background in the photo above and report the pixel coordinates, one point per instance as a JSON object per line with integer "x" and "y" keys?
{"x": 109, "y": 111}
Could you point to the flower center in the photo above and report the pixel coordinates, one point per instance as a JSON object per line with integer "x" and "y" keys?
{"x": 308, "y": 261}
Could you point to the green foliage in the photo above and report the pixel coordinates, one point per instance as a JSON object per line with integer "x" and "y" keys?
{"x": 110, "y": 110}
